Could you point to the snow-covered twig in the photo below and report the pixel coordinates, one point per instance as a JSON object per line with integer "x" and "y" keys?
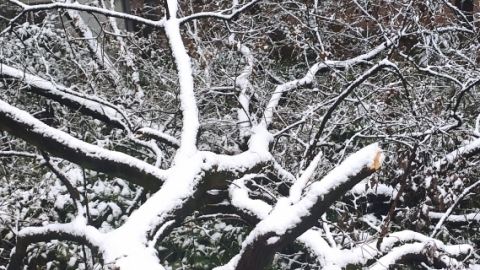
{"x": 323, "y": 66}
{"x": 18, "y": 154}
{"x": 92, "y": 9}
{"x": 96, "y": 49}
{"x": 72, "y": 190}
{"x": 476, "y": 131}
{"x": 460, "y": 197}
{"x": 246, "y": 89}
{"x": 465, "y": 218}
{"x": 218, "y": 15}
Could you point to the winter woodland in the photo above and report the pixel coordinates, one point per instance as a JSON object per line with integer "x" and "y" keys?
{"x": 239, "y": 134}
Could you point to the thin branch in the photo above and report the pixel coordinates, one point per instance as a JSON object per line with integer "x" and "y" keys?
{"x": 217, "y": 15}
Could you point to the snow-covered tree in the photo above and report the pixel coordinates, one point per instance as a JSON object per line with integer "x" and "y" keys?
{"x": 239, "y": 135}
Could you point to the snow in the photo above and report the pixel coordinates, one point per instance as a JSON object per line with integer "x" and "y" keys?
{"x": 187, "y": 96}
{"x": 299, "y": 185}
{"x": 80, "y": 146}
{"x": 364, "y": 188}
{"x": 246, "y": 89}
{"x": 370, "y": 156}
{"x": 465, "y": 150}
{"x": 308, "y": 78}
{"x": 159, "y": 134}
{"x": 286, "y": 215}
{"x": 240, "y": 199}
{"x": 455, "y": 218}
{"x": 94, "y": 104}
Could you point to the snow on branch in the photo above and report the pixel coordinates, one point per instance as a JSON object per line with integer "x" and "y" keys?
{"x": 467, "y": 151}
{"x": 288, "y": 221}
{"x": 76, "y": 231}
{"x": 433, "y": 253}
{"x": 23, "y": 125}
{"x": 80, "y": 7}
{"x": 96, "y": 49}
{"x": 158, "y": 136}
{"x": 318, "y": 67}
{"x": 88, "y": 105}
{"x": 219, "y": 15}
{"x": 245, "y": 87}
{"x": 462, "y": 219}
{"x": 301, "y": 182}
{"x": 187, "y": 96}
{"x": 358, "y": 81}
{"x": 19, "y": 154}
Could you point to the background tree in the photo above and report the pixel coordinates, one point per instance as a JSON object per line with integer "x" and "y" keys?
{"x": 239, "y": 135}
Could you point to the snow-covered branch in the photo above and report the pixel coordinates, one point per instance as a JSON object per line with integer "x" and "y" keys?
{"x": 21, "y": 124}
{"x": 288, "y": 221}
{"x": 99, "y": 55}
{"x": 469, "y": 150}
{"x": 235, "y": 11}
{"x": 76, "y": 231}
{"x": 187, "y": 97}
{"x": 320, "y": 67}
{"x": 245, "y": 87}
{"x": 80, "y": 7}
{"x": 89, "y": 105}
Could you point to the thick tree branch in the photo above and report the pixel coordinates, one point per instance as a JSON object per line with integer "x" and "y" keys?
{"x": 188, "y": 103}
{"x": 21, "y": 124}
{"x": 91, "y": 106}
{"x": 287, "y": 222}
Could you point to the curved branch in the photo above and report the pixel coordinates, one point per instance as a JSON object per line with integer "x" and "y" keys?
{"x": 372, "y": 71}
{"x": 74, "y": 231}
{"x": 320, "y": 67}
{"x": 216, "y": 15}
{"x": 428, "y": 252}
{"x": 21, "y": 124}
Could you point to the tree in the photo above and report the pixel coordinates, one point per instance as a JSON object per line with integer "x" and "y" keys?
{"x": 239, "y": 135}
